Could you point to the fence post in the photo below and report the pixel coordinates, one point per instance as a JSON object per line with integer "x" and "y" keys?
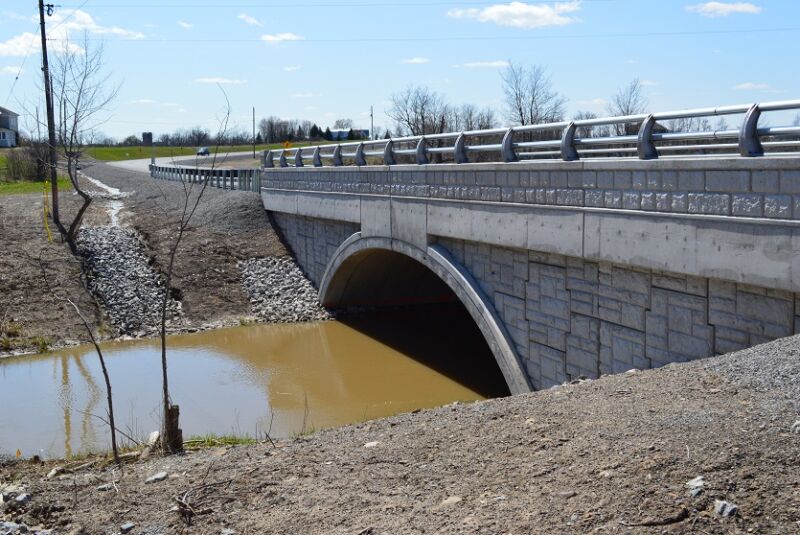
{"x": 460, "y": 149}
{"x": 568, "y": 151}
{"x": 644, "y": 140}
{"x": 507, "y": 147}
{"x": 749, "y": 143}
{"x": 388, "y": 154}
{"x": 422, "y": 156}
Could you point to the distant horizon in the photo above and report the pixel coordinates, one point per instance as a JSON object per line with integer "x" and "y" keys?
{"x": 335, "y": 59}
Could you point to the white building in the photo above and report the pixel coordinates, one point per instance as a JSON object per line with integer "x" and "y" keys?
{"x": 9, "y": 128}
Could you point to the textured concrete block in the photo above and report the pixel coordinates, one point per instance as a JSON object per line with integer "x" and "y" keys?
{"x": 778, "y": 206}
{"x": 747, "y": 205}
{"x": 790, "y": 181}
{"x": 728, "y": 181}
{"x": 631, "y": 200}
{"x": 613, "y": 199}
{"x": 680, "y": 202}
{"x": 623, "y": 180}
{"x": 605, "y": 180}
{"x": 639, "y": 180}
{"x": 594, "y": 198}
{"x": 648, "y": 200}
{"x": 709, "y": 203}
{"x": 669, "y": 180}
{"x": 663, "y": 202}
{"x": 765, "y": 182}
{"x": 691, "y": 181}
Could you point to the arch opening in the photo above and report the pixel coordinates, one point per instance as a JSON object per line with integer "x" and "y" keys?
{"x": 426, "y": 306}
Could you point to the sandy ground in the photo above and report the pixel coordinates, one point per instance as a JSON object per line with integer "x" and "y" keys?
{"x": 606, "y": 456}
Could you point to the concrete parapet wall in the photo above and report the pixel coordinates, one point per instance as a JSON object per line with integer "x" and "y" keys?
{"x": 738, "y": 187}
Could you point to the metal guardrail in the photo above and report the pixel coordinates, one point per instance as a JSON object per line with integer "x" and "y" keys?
{"x": 649, "y": 141}
{"x": 231, "y": 179}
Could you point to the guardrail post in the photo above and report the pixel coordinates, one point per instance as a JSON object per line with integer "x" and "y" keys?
{"x": 568, "y": 151}
{"x": 360, "y": 160}
{"x": 388, "y": 155}
{"x": 317, "y": 157}
{"x": 749, "y": 143}
{"x": 282, "y": 159}
{"x": 268, "y": 162}
{"x": 298, "y": 158}
{"x": 507, "y": 147}
{"x": 264, "y": 158}
{"x": 337, "y": 156}
{"x": 421, "y": 154}
{"x": 644, "y": 140}
{"x": 460, "y": 149}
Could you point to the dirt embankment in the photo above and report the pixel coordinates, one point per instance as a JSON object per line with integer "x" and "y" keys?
{"x": 607, "y": 456}
{"x": 31, "y": 316}
{"x": 228, "y": 227}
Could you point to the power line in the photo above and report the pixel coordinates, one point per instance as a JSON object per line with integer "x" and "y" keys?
{"x": 319, "y": 5}
{"x": 465, "y": 38}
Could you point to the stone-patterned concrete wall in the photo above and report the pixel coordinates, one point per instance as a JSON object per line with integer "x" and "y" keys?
{"x": 570, "y": 318}
{"x": 313, "y": 241}
{"x": 743, "y": 187}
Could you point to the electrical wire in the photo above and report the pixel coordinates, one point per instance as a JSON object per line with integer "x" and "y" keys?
{"x": 467, "y": 38}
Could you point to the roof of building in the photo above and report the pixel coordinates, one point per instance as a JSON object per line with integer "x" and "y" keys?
{"x": 6, "y": 111}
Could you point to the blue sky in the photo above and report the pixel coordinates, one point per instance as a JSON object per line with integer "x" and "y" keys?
{"x": 325, "y": 59}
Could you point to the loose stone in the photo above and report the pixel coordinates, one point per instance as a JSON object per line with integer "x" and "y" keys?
{"x": 155, "y": 478}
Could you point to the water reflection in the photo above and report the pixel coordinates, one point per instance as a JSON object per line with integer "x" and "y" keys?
{"x": 245, "y": 381}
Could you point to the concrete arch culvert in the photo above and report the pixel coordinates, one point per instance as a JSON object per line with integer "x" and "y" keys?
{"x": 381, "y": 271}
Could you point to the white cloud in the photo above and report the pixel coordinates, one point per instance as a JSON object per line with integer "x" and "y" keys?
{"x": 500, "y": 64}
{"x": 66, "y": 20}
{"x": 18, "y": 46}
{"x": 415, "y": 61}
{"x": 751, "y": 86}
{"x": 522, "y": 14}
{"x": 252, "y": 21}
{"x": 306, "y": 95}
{"x": 723, "y": 9}
{"x": 185, "y": 25}
{"x": 292, "y": 68}
{"x": 143, "y": 101}
{"x": 221, "y": 81}
{"x": 11, "y": 70}
{"x": 280, "y": 37}
{"x": 648, "y": 83}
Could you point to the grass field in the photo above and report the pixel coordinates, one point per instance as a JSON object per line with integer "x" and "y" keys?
{"x": 17, "y": 188}
{"x": 115, "y": 154}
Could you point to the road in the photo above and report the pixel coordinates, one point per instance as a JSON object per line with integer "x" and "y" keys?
{"x": 142, "y": 166}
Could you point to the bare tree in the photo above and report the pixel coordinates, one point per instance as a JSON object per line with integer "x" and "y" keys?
{"x": 588, "y": 131}
{"x": 418, "y": 110}
{"x": 343, "y": 124}
{"x": 529, "y": 95}
{"x": 81, "y": 93}
{"x": 172, "y": 439}
{"x": 629, "y": 100}
{"x": 796, "y": 121}
{"x": 469, "y": 117}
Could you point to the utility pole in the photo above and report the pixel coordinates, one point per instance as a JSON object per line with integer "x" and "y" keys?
{"x": 254, "y": 131}
{"x": 51, "y": 122}
{"x": 371, "y": 123}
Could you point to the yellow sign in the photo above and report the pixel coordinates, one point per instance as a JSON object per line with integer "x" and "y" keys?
{"x": 287, "y": 145}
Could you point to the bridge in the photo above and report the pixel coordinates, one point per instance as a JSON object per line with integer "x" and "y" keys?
{"x": 579, "y": 248}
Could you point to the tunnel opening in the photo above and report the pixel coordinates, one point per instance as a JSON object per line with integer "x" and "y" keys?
{"x": 400, "y": 302}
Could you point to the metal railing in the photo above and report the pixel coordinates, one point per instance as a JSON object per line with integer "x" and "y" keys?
{"x": 643, "y": 137}
{"x": 231, "y": 179}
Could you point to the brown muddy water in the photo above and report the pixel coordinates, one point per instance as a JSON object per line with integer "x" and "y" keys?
{"x": 284, "y": 379}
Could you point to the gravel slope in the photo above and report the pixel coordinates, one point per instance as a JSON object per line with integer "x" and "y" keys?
{"x": 606, "y": 456}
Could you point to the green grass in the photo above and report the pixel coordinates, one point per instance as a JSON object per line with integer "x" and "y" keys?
{"x": 115, "y": 154}
{"x": 18, "y": 188}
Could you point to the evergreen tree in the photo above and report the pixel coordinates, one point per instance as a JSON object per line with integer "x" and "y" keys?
{"x": 351, "y": 135}
{"x": 259, "y": 139}
{"x": 314, "y": 132}
{"x": 300, "y": 134}
{"x": 388, "y": 135}
{"x": 328, "y": 135}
